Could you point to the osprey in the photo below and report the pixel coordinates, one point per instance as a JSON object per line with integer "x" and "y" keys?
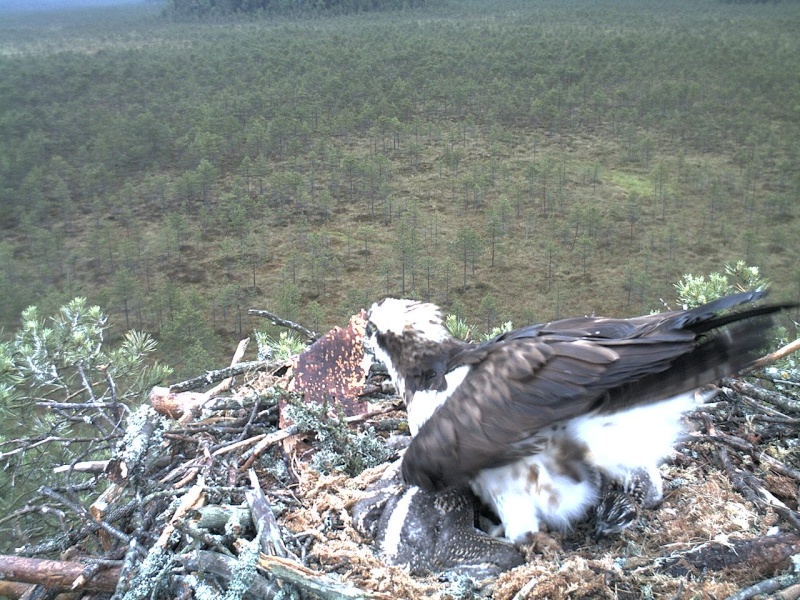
{"x": 536, "y": 419}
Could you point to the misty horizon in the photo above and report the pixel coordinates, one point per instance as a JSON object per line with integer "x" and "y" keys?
{"x": 38, "y": 5}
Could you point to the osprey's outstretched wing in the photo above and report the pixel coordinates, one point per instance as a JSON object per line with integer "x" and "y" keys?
{"x": 536, "y": 377}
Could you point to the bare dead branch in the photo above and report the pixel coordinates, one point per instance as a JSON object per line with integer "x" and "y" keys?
{"x": 218, "y": 375}
{"x": 84, "y": 515}
{"x": 780, "y": 353}
{"x": 97, "y": 404}
{"x": 239, "y": 445}
{"x": 88, "y": 466}
{"x": 225, "y": 566}
{"x": 30, "y": 444}
{"x": 765, "y": 554}
{"x": 280, "y": 322}
{"x": 194, "y": 498}
{"x": 775, "y": 398}
{"x": 247, "y": 459}
{"x": 225, "y": 385}
{"x": 267, "y": 530}
{"x": 767, "y": 586}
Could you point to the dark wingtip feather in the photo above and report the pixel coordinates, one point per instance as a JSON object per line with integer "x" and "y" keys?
{"x": 719, "y": 352}
{"x": 707, "y": 317}
{"x": 706, "y": 312}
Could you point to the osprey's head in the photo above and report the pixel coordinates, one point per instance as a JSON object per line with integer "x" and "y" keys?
{"x": 403, "y": 334}
{"x": 391, "y": 316}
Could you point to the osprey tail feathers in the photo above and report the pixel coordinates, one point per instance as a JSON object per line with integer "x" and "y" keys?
{"x": 726, "y": 345}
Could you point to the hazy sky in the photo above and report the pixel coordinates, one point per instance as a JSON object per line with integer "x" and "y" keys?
{"x": 48, "y": 4}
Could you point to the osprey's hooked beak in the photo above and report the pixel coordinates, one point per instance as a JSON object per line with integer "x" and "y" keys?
{"x": 369, "y": 338}
{"x": 374, "y": 351}
{"x": 369, "y": 342}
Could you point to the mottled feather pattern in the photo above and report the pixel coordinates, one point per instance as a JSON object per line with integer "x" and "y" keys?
{"x": 621, "y": 501}
{"x": 615, "y": 511}
{"x": 430, "y": 531}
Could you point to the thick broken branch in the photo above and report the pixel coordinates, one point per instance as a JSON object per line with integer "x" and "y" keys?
{"x": 780, "y": 353}
{"x": 175, "y": 405}
{"x": 766, "y": 555}
{"x": 178, "y": 403}
{"x": 215, "y": 517}
{"x": 57, "y": 574}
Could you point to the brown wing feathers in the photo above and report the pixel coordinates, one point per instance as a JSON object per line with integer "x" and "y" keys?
{"x": 500, "y": 405}
{"x": 534, "y": 377}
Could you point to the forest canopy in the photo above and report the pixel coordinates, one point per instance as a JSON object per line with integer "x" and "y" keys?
{"x": 285, "y": 7}
{"x": 507, "y": 160}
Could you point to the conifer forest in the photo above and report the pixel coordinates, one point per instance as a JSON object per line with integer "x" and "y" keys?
{"x": 177, "y": 164}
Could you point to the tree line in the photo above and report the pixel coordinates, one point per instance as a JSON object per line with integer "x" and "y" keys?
{"x": 206, "y": 8}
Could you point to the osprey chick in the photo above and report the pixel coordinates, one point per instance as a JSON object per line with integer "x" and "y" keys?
{"x": 535, "y": 419}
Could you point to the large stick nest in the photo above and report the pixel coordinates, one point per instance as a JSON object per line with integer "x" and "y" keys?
{"x": 248, "y": 492}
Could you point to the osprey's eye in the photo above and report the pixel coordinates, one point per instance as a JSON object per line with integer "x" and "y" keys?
{"x": 370, "y": 329}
